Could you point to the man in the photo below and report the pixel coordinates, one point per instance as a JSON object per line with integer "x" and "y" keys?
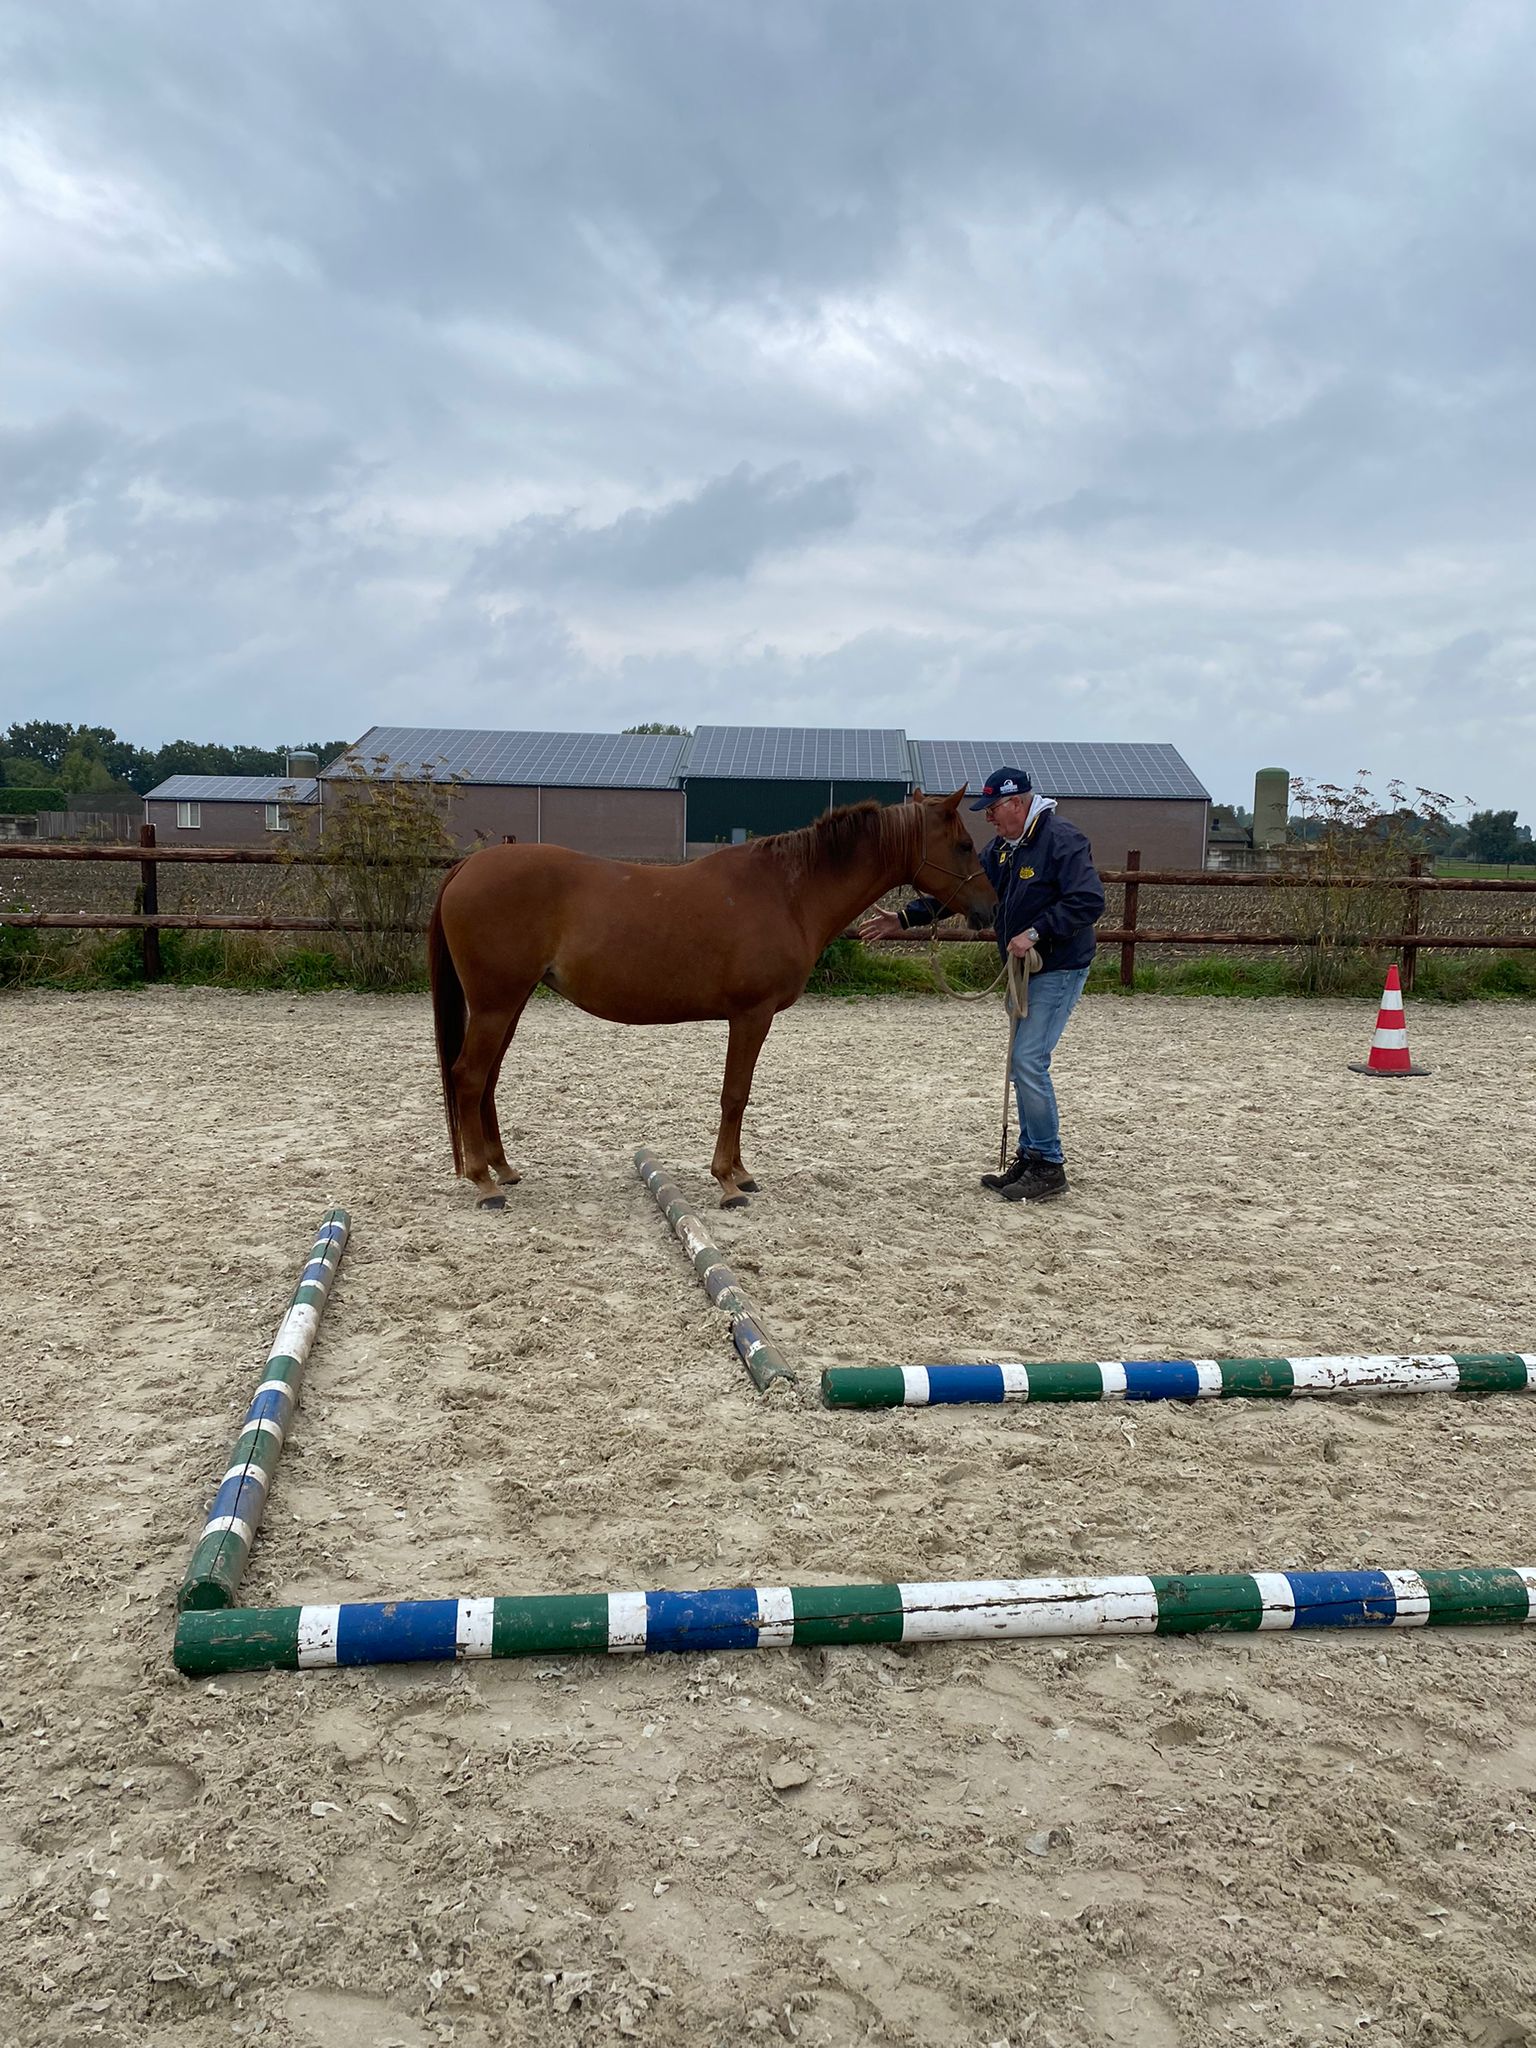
{"x": 1049, "y": 897}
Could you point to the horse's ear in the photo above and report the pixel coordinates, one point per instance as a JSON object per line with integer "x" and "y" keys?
{"x": 917, "y": 794}
{"x": 951, "y": 804}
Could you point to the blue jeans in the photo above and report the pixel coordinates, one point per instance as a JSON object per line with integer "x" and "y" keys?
{"x": 1052, "y": 999}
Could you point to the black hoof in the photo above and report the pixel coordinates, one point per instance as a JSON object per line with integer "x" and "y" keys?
{"x": 491, "y": 1202}
{"x": 748, "y": 1187}
{"x": 733, "y": 1202}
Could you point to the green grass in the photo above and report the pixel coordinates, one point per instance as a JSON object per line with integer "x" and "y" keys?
{"x": 1487, "y": 870}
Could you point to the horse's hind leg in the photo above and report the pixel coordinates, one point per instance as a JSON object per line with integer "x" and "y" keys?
{"x": 474, "y": 1080}
{"x": 496, "y": 1156}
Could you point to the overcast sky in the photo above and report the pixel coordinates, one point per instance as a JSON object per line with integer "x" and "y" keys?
{"x": 1101, "y": 372}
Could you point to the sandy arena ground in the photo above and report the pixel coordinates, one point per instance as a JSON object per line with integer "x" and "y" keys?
{"x": 1238, "y": 1839}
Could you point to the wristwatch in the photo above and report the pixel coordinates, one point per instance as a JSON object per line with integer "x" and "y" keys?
{"x": 1032, "y": 935}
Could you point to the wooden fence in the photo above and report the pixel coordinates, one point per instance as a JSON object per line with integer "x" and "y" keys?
{"x": 1128, "y": 935}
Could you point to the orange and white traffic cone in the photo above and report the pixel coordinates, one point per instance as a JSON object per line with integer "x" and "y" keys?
{"x": 1389, "y": 1046}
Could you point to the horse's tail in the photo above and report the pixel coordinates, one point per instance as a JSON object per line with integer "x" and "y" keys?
{"x": 449, "y": 1012}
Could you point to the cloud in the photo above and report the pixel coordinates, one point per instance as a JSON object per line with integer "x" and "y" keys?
{"x": 721, "y": 529}
{"x": 48, "y": 465}
{"x": 1144, "y": 372}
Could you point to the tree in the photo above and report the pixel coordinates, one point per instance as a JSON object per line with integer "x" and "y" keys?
{"x": 1493, "y": 836}
{"x": 681, "y": 732}
{"x": 40, "y": 740}
{"x": 83, "y": 767}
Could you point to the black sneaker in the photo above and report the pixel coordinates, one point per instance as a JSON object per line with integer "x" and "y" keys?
{"x": 1042, "y": 1181}
{"x": 1018, "y": 1166}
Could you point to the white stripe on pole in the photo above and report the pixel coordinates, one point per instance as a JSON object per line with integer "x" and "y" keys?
{"x": 1015, "y": 1382}
{"x": 317, "y": 1633}
{"x": 914, "y": 1386}
{"x": 476, "y": 1621}
{"x": 969, "y": 1610}
{"x": 1412, "y": 1599}
{"x": 1209, "y": 1374}
{"x": 775, "y": 1617}
{"x": 1421, "y": 1372}
{"x": 1279, "y": 1600}
{"x": 626, "y": 1624}
{"x": 1112, "y": 1374}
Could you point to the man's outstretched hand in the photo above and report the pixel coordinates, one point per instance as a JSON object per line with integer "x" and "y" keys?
{"x": 880, "y": 924}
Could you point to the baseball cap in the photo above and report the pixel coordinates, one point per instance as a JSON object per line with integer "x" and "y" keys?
{"x": 1002, "y": 782}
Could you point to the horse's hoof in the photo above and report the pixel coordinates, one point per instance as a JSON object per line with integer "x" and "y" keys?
{"x": 733, "y": 1201}
{"x": 510, "y": 1178}
{"x": 748, "y": 1187}
{"x": 491, "y": 1202}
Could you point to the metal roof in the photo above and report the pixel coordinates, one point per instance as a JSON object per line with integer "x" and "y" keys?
{"x": 797, "y": 753}
{"x": 1060, "y": 767}
{"x": 235, "y": 789}
{"x": 555, "y": 760}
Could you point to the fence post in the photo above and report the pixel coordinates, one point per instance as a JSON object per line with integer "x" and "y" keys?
{"x": 1412, "y": 900}
{"x": 1132, "y": 900}
{"x": 149, "y": 899}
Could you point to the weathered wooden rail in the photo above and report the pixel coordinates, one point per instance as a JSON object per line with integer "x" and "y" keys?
{"x": 1128, "y": 935}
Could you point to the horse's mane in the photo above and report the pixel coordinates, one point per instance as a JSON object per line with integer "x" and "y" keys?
{"x": 836, "y": 837}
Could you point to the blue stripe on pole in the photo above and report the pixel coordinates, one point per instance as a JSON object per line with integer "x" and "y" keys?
{"x": 1343, "y": 1599}
{"x": 1161, "y": 1379}
{"x": 723, "y": 1620}
{"x": 275, "y": 1406}
{"x": 228, "y": 1499}
{"x": 317, "y": 1271}
{"x": 397, "y": 1632}
{"x": 964, "y": 1383}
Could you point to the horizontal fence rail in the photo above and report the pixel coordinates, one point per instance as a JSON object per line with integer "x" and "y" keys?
{"x": 1150, "y": 878}
{"x": 150, "y": 921}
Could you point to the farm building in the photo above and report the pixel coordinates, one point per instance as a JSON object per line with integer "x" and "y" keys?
{"x": 230, "y": 810}
{"x": 600, "y": 792}
{"x": 642, "y": 796}
{"x": 651, "y": 797}
{"x": 1121, "y": 794}
{"x": 744, "y": 781}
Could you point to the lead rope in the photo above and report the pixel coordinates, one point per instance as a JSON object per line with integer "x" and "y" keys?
{"x": 1016, "y": 973}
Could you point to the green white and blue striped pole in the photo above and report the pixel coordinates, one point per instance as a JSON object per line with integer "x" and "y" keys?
{"x": 783, "y": 1617}
{"x": 1179, "y": 1379}
{"x": 218, "y": 1562}
{"x": 762, "y": 1358}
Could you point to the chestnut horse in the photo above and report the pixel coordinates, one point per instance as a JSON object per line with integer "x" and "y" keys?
{"x": 734, "y": 935}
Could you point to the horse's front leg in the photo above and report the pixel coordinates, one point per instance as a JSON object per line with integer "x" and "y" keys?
{"x": 748, "y": 1030}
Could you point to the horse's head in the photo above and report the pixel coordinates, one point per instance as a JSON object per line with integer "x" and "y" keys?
{"x": 947, "y": 865}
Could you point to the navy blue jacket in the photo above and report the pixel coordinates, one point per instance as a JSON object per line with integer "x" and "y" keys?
{"x": 1047, "y": 881}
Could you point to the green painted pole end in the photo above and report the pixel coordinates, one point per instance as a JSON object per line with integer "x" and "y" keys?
{"x": 863, "y": 1386}
{"x": 237, "y": 1639}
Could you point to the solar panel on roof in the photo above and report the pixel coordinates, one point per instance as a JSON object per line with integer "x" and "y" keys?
{"x": 553, "y": 760}
{"x": 1061, "y": 767}
{"x": 236, "y": 789}
{"x": 795, "y": 753}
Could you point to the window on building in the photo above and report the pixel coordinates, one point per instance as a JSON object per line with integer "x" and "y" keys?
{"x": 276, "y": 822}
{"x": 189, "y": 817}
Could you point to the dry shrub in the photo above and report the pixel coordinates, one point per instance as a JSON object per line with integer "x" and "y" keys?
{"x": 384, "y": 848}
{"x": 1356, "y": 845}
